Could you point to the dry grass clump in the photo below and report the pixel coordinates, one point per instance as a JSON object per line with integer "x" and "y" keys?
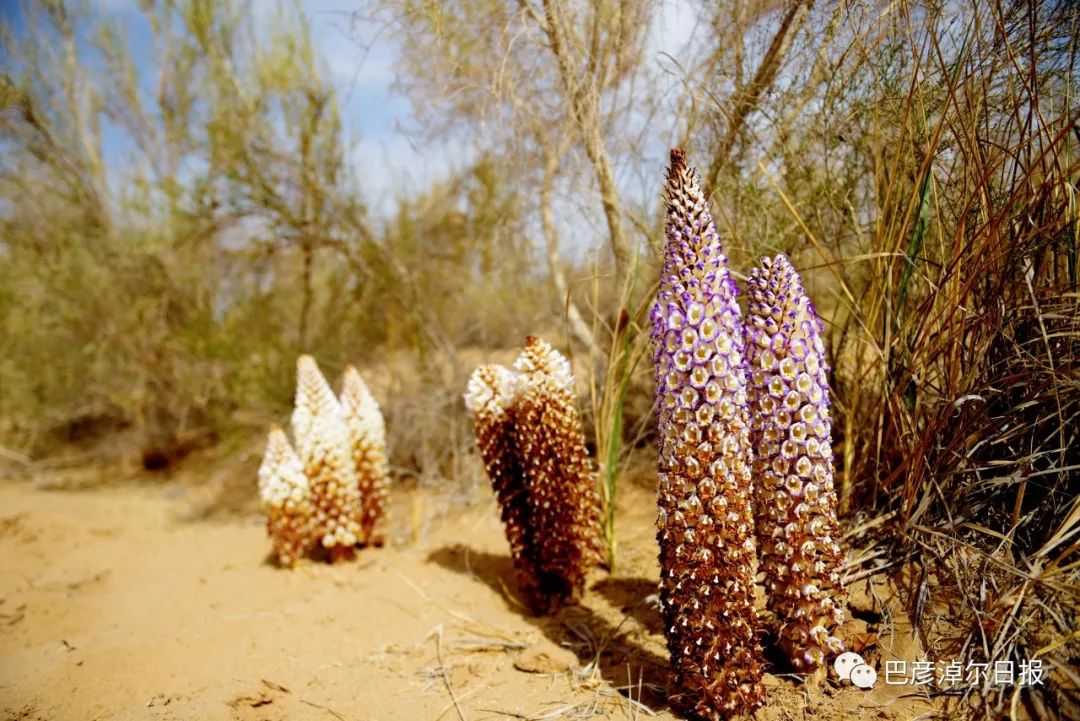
{"x": 530, "y": 436}
{"x": 957, "y": 346}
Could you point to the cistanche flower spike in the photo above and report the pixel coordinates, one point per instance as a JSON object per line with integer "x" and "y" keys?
{"x": 286, "y": 499}
{"x": 489, "y": 398}
{"x": 558, "y": 473}
{"x": 367, "y": 441}
{"x": 531, "y": 440}
{"x": 323, "y": 446}
{"x": 705, "y": 524}
{"x": 795, "y": 500}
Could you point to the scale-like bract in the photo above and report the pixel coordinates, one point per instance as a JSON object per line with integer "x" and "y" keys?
{"x": 286, "y": 499}
{"x": 705, "y": 521}
{"x": 323, "y": 446}
{"x": 367, "y": 441}
{"x": 796, "y": 504}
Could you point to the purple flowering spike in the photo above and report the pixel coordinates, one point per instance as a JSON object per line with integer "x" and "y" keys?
{"x": 705, "y": 524}
{"x": 796, "y": 504}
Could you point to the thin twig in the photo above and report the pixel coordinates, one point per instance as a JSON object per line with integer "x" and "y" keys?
{"x": 437, "y": 632}
{"x": 328, "y": 710}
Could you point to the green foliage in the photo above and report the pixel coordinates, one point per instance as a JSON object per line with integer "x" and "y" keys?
{"x": 170, "y": 288}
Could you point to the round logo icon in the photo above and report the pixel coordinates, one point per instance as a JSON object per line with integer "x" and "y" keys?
{"x": 863, "y": 676}
{"x": 845, "y": 662}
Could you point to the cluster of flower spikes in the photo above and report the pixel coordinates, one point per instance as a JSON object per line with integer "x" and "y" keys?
{"x": 533, "y": 446}
{"x": 367, "y": 441}
{"x": 558, "y": 473}
{"x": 286, "y": 499}
{"x": 794, "y": 495}
{"x": 489, "y": 398}
{"x": 705, "y": 522}
{"x": 322, "y": 441}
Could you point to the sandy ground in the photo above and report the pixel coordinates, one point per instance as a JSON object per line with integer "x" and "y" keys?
{"x": 121, "y": 604}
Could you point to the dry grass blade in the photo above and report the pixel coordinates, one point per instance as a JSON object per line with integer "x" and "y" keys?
{"x": 444, "y": 671}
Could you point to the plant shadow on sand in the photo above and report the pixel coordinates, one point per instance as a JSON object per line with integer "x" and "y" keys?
{"x": 618, "y": 642}
{"x": 636, "y": 597}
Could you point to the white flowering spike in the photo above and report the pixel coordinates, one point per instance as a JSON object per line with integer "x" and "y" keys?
{"x": 286, "y": 499}
{"x": 530, "y": 438}
{"x": 541, "y": 364}
{"x": 322, "y": 441}
{"x": 367, "y": 440}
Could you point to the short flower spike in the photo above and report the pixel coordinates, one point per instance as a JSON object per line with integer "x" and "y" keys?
{"x": 490, "y": 397}
{"x": 283, "y": 489}
{"x": 530, "y": 437}
{"x": 323, "y": 445}
{"x": 367, "y": 440}
{"x": 705, "y": 522}
{"x": 554, "y": 461}
{"x": 796, "y": 504}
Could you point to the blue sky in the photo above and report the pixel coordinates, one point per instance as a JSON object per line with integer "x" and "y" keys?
{"x": 378, "y": 120}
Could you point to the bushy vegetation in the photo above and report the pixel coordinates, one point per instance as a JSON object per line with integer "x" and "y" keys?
{"x": 918, "y": 162}
{"x": 172, "y": 240}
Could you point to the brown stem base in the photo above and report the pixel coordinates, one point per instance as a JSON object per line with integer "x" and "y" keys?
{"x": 342, "y": 553}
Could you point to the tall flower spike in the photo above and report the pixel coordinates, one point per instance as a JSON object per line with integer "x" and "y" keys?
{"x": 490, "y": 398}
{"x": 367, "y": 440}
{"x": 795, "y": 501}
{"x": 283, "y": 489}
{"x": 565, "y": 506}
{"x": 705, "y": 522}
{"x": 322, "y": 443}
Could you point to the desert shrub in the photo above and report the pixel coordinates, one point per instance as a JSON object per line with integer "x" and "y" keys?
{"x": 163, "y": 280}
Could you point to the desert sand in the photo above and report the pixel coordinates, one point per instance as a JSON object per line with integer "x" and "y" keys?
{"x": 126, "y": 603}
